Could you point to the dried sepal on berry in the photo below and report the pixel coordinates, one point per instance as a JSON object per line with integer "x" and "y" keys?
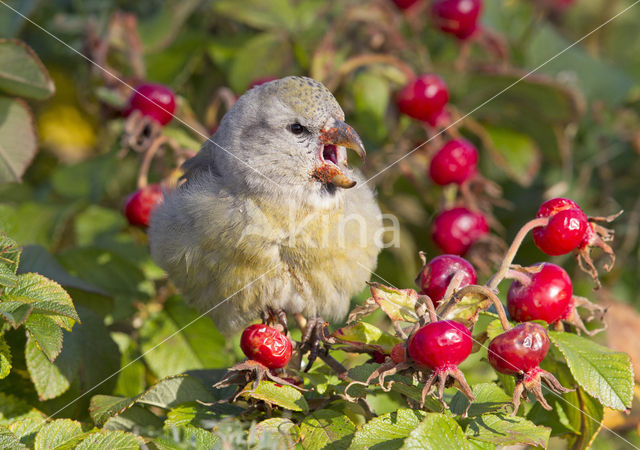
{"x": 596, "y": 235}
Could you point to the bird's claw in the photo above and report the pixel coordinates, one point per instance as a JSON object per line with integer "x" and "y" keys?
{"x": 315, "y": 334}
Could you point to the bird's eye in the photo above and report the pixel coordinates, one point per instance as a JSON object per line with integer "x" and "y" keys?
{"x": 296, "y": 128}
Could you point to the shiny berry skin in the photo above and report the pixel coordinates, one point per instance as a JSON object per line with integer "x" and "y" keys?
{"x": 423, "y": 98}
{"x": 548, "y": 296}
{"x": 139, "y": 205}
{"x": 153, "y": 100}
{"x": 435, "y": 276}
{"x": 455, "y": 162}
{"x": 521, "y": 348}
{"x": 455, "y": 230}
{"x": 567, "y": 227}
{"x": 266, "y": 345}
{"x": 440, "y": 345}
{"x": 405, "y": 4}
{"x": 457, "y": 17}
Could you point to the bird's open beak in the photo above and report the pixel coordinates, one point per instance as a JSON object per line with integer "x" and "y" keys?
{"x": 336, "y": 137}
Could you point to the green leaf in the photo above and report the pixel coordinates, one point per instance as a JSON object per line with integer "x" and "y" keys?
{"x": 178, "y": 438}
{"x": 102, "y": 407}
{"x": 367, "y": 336}
{"x": 387, "y": 431}
{"x": 514, "y": 152}
{"x": 193, "y": 342}
{"x": 281, "y": 395}
{"x": 507, "y": 430}
{"x": 174, "y": 390}
{"x": 436, "y": 431}
{"x": 48, "y": 379}
{"x": 9, "y": 260}
{"x": 59, "y": 434}
{"x": 591, "y": 414}
{"x": 131, "y": 379}
{"x": 46, "y": 296}
{"x": 398, "y": 304}
{"x": 108, "y": 440}
{"x": 46, "y": 333}
{"x": 326, "y": 428}
{"x": 22, "y": 73}
{"x": 605, "y": 374}
{"x": 26, "y": 428}
{"x": 132, "y": 419}
{"x": 89, "y": 357}
{"x": 465, "y": 311}
{"x": 5, "y": 358}
{"x": 13, "y": 408}
{"x": 260, "y": 14}
{"x": 32, "y": 222}
{"x": 18, "y": 144}
{"x": 276, "y": 432}
{"x": 36, "y": 258}
{"x": 16, "y": 313}
{"x": 9, "y": 440}
{"x": 489, "y": 398}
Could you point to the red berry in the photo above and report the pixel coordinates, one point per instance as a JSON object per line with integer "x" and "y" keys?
{"x": 567, "y": 227}
{"x": 153, "y": 100}
{"x": 440, "y": 345}
{"x": 399, "y": 353}
{"x": 139, "y": 205}
{"x": 457, "y": 17}
{"x": 521, "y": 348}
{"x": 259, "y": 81}
{"x": 266, "y": 345}
{"x": 405, "y": 4}
{"x": 434, "y": 278}
{"x": 548, "y": 296}
{"x": 379, "y": 356}
{"x": 455, "y": 162}
{"x": 455, "y": 230}
{"x": 424, "y": 98}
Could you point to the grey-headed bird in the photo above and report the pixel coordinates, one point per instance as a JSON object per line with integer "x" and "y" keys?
{"x": 268, "y": 218}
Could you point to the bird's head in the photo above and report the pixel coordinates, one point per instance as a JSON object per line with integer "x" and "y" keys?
{"x": 292, "y": 131}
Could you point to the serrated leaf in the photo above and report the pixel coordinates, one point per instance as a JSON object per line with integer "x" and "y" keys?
{"x": 435, "y": 432}
{"x": 507, "y": 430}
{"x": 389, "y": 429}
{"x": 16, "y": 313}
{"x": 178, "y": 438}
{"x": 489, "y": 398}
{"x": 108, "y": 440}
{"x": 27, "y": 427}
{"x": 59, "y": 434}
{"x": 5, "y": 358}
{"x": 46, "y": 333}
{"x": 9, "y": 440}
{"x": 605, "y": 374}
{"x": 398, "y": 304}
{"x": 132, "y": 419}
{"x": 328, "y": 429}
{"x": 280, "y": 395}
{"x": 366, "y": 335}
{"x": 18, "y": 144}
{"x": 22, "y": 73}
{"x": 9, "y": 260}
{"x": 102, "y": 407}
{"x": 47, "y": 378}
{"x": 46, "y": 296}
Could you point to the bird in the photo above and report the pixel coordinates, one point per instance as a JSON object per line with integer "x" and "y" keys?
{"x": 268, "y": 218}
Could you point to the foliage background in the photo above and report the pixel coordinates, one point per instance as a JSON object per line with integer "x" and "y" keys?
{"x": 573, "y": 133}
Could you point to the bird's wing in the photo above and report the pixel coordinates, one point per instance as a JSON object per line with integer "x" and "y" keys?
{"x": 203, "y": 161}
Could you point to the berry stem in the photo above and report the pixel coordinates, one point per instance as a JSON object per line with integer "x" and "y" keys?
{"x": 521, "y": 277}
{"x": 495, "y": 280}
{"x": 143, "y": 173}
{"x": 488, "y": 293}
{"x": 426, "y": 300}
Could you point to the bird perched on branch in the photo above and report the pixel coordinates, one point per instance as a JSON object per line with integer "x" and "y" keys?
{"x": 268, "y": 219}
